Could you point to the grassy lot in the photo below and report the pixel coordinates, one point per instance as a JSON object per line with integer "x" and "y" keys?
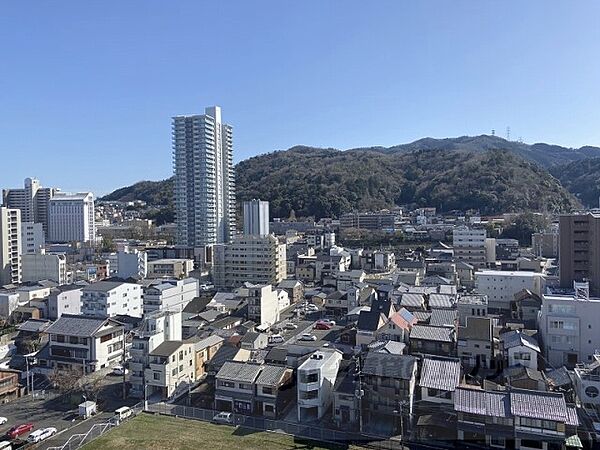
{"x": 170, "y": 433}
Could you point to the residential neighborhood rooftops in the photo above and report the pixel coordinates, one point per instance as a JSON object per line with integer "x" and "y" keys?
{"x": 166, "y": 348}
{"x": 516, "y": 339}
{"x": 441, "y": 301}
{"x": 443, "y": 318}
{"x": 271, "y": 375}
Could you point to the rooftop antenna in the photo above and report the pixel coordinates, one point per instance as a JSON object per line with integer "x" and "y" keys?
{"x": 493, "y": 132}
{"x": 508, "y": 133}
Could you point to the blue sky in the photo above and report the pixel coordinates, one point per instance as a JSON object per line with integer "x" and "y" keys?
{"x": 87, "y": 89}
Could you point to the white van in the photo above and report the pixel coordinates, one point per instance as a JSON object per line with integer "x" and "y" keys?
{"x": 123, "y": 413}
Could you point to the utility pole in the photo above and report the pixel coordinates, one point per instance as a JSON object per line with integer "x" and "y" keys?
{"x": 123, "y": 364}
{"x": 359, "y": 393}
{"x": 27, "y": 375}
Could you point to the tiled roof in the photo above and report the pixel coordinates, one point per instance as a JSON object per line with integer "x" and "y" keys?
{"x": 271, "y": 375}
{"x": 167, "y": 348}
{"x": 443, "y": 317}
{"x": 239, "y": 371}
{"x": 440, "y": 334}
{"x": 391, "y": 347}
{"x": 403, "y": 319}
{"x": 486, "y": 403}
{"x": 412, "y": 300}
{"x": 440, "y": 373}
{"x": 538, "y": 405}
{"x": 441, "y": 301}
{"x": 208, "y": 342}
{"x": 517, "y": 339}
{"x": 422, "y": 316}
{"x": 76, "y": 325}
{"x": 369, "y": 321}
{"x": 389, "y": 365}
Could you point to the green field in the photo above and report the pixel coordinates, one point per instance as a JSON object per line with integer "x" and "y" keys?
{"x": 170, "y": 433}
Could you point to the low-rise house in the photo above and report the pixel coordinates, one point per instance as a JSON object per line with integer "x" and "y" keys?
{"x": 170, "y": 268}
{"x": 369, "y": 323}
{"x": 81, "y": 343}
{"x": 517, "y": 418}
{"x": 389, "y": 384}
{"x": 441, "y": 301}
{"x": 64, "y": 299}
{"x": 526, "y": 306}
{"x": 346, "y": 404}
{"x": 171, "y": 370}
{"x": 413, "y": 301}
{"x": 205, "y": 349}
{"x": 315, "y": 381}
{"x": 425, "y": 339}
{"x": 294, "y": 288}
{"x": 472, "y": 305}
{"x": 520, "y": 349}
{"x": 254, "y": 341}
{"x": 524, "y": 378}
{"x": 274, "y": 390}
{"x": 444, "y": 318}
{"x": 439, "y": 379}
{"x": 10, "y": 388}
{"x": 475, "y": 343}
{"x": 397, "y": 327}
{"x": 234, "y": 387}
{"x": 345, "y": 280}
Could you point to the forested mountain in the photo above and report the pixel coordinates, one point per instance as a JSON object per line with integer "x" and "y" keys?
{"x": 484, "y": 172}
{"x": 582, "y": 178}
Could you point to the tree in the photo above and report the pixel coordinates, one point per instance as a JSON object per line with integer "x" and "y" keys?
{"x": 524, "y": 226}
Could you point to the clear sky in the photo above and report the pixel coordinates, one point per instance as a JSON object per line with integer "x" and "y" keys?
{"x": 87, "y": 88}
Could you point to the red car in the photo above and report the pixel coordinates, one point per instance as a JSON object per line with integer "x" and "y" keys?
{"x": 18, "y": 430}
{"x": 322, "y": 326}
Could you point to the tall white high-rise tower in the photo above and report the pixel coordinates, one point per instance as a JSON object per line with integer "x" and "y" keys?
{"x": 204, "y": 179}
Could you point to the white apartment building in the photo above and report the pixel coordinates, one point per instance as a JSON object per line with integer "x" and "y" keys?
{"x": 315, "y": 382}
{"x": 256, "y": 218}
{"x": 10, "y": 246}
{"x": 129, "y": 264}
{"x": 249, "y": 259}
{"x": 64, "y": 300}
{"x": 570, "y": 329}
{"x": 32, "y": 200}
{"x": 156, "y": 328}
{"x": 587, "y": 384}
{"x": 171, "y": 295}
{"x": 33, "y": 239}
{"x": 42, "y": 266}
{"x": 71, "y": 218}
{"x": 501, "y": 286}
{"x": 171, "y": 369}
{"x": 473, "y": 247}
{"x": 204, "y": 179}
{"x": 263, "y": 303}
{"x": 112, "y": 298}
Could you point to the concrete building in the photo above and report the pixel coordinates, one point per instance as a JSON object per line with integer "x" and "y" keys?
{"x": 82, "y": 343}
{"x": 33, "y": 239}
{"x": 42, "y": 266}
{"x": 501, "y": 286}
{"x": 569, "y": 326}
{"x": 170, "y": 268}
{"x": 204, "y": 179}
{"x": 171, "y": 295}
{"x": 263, "y": 303}
{"x": 32, "y": 200}
{"x": 129, "y": 264}
{"x": 64, "y": 300}
{"x": 587, "y": 384}
{"x": 10, "y": 246}
{"x": 171, "y": 369}
{"x": 473, "y": 247}
{"x": 315, "y": 382}
{"x": 251, "y": 259}
{"x": 156, "y": 328}
{"x": 256, "y": 218}
{"x": 9, "y": 301}
{"x": 579, "y": 247}
{"x": 112, "y": 298}
{"x": 382, "y": 220}
{"x": 545, "y": 244}
{"x": 71, "y": 218}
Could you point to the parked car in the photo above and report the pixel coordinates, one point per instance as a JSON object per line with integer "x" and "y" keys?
{"x": 6, "y": 445}
{"x": 3, "y": 420}
{"x": 41, "y": 434}
{"x": 322, "y": 326}
{"x": 329, "y": 322}
{"x": 307, "y": 337}
{"x": 120, "y": 370}
{"x": 312, "y": 308}
{"x": 276, "y": 339}
{"x": 19, "y": 430}
{"x": 290, "y": 326}
{"x": 223, "y": 418}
